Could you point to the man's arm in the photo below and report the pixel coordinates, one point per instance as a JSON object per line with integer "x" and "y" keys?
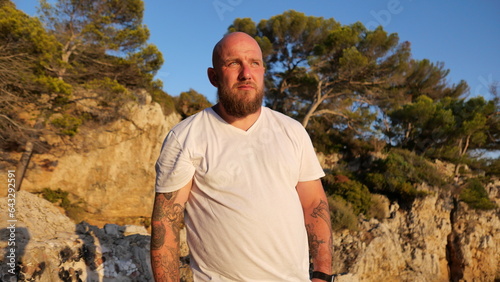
{"x": 166, "y": 222}
{"x": 318, "y": 224}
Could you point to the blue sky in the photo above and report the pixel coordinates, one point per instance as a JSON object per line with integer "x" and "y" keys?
{"x": 464, "y": 35}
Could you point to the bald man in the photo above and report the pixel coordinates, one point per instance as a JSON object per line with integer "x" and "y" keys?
{"x": 245, "y": 180}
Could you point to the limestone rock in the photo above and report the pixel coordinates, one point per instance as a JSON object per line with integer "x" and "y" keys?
{"x": 50, "y": 247}
{"x": 438, "y": 239}
{"x": 109, "y": 169}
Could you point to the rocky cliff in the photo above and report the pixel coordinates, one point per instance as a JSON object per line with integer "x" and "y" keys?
{"x": 108, "y": 170}
{"x": 439, "y": 239}
{"x": 48, "y": 246}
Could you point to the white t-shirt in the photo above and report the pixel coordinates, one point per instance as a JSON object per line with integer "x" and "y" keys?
{"x": 243, "y": 217}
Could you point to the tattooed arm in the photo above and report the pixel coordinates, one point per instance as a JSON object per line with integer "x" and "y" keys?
{"x": 318, "y": 225}
{"x": 166, "y": 222}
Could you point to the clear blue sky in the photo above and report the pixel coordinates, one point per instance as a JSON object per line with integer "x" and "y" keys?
{"x": 464, "y": 35}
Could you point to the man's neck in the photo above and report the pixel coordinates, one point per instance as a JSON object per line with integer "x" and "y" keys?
{"x": 243, "y": 123}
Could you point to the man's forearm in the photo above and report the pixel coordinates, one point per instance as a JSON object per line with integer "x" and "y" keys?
{"x": 164, "y": 258}
{"x": 319, "y": 232}
{"x": 165, "y": 227}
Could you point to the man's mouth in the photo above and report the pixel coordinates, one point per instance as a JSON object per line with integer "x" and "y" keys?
{"x": 246, "y": 86}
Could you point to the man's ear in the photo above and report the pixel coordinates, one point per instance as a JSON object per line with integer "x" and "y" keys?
{"x": 212, "y": 76}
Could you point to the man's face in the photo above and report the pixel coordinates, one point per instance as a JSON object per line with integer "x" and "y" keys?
{"x": 240, "y": 76}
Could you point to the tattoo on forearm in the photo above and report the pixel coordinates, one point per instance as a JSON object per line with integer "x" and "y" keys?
{"x": 163, "y": 202}
{"x": 314, "y": 241}
{"x": 320, "y": 240}
{"x": 165, "y": 211}
{"x": 166, "y": 221}
{"x": 322, "y": 212}
{"x": 171, "y": 268}
{"x": 158, "y": 236}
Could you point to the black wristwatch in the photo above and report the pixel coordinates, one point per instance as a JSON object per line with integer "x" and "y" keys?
{"x": 323, "y": 276}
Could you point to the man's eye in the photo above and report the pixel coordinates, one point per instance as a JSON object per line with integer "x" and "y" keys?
{"x": 231, "y": 64}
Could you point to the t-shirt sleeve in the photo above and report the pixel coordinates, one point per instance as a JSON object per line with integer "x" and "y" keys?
{"x": 310, "y": 168}
{"x": 174, "y": 169}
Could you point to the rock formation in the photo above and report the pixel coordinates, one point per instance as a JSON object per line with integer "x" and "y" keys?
{"x": 438, "y": 239}
{"x": 108, "y": 170}
{"x": 50, "y": 247}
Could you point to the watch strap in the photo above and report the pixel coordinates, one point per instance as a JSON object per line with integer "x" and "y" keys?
{"x": 322, "y": 276}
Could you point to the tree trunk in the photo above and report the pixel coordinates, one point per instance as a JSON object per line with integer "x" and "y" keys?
{"x": 314, "y": 105}
{"x": 22, "y": 166}
{"x": 462, "y": 152}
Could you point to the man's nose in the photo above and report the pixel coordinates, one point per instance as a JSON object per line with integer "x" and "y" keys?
{"x": 245, "y": 72}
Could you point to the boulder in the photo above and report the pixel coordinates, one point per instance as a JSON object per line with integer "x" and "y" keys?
{"x": 50, "y": 247}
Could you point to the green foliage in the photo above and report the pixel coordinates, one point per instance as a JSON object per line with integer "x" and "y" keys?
{"x": 325, "y": 138}
{"x": 139, "y": 68}
{"x": 114, "y": 25}
{"x": 99, "y": 39}
{"x": 67, "y": 124}
{"x": 429, "y": 79}
{"x": 191, "y": 102}
{"x": 475, "y": 195}
{"x": 424, "y": 124}
{"x": 56, "y": 196}
{"x": 321, "y": 71}
{"x": 491, "y": 167}
{"x": 246, "y": 25}
{"x": 159, "y": 96}
{"x": 111, "y": 95}
{"x": 472, "y": 118}
{"x": 341, "y": 214}
{"x": 106, "y": 85}
{"x": 97, "y": 45}
{"x": 349, "y": 85}
{"x": 353, "y": 192}
{"x": 378, "y": 207}
{"x": 61, "y": 198}
{"x": 447, "y": 129}
{"x": 55, "y": 85}
{"x": 397, "y": 175}
{"x": 27, "y": 34}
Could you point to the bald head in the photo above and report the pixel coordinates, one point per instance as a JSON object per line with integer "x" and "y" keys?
{"x": 230, "y": 40}
{"x": 238, "y": 73}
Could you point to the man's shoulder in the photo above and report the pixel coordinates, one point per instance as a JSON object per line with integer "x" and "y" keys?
{"x": 192, "y": 121}
{"x": 282, "y": 118}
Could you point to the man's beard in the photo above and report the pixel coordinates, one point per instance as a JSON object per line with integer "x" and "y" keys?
{"x": 237, "y": 103}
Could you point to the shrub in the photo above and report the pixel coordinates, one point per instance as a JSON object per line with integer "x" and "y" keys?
{"x": 341, "y": 214}
{"x": 110, "y": 92}
{"x": 354, "y": 192}
{"x": 475, "y": 195}
{"x": 190, "y": 103}
{"x": 110, "y": 97}
{"x": 54, "y": 85}
{"x": 397, "y": 175}
{"x": 56, "y": 196}
{"x": 164, "y": 100}
{"x": 490, "y": 166}
{"x": 379, "y": 208}
{"x": 67, "y": 124}
{"x": 73, "y": 210}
